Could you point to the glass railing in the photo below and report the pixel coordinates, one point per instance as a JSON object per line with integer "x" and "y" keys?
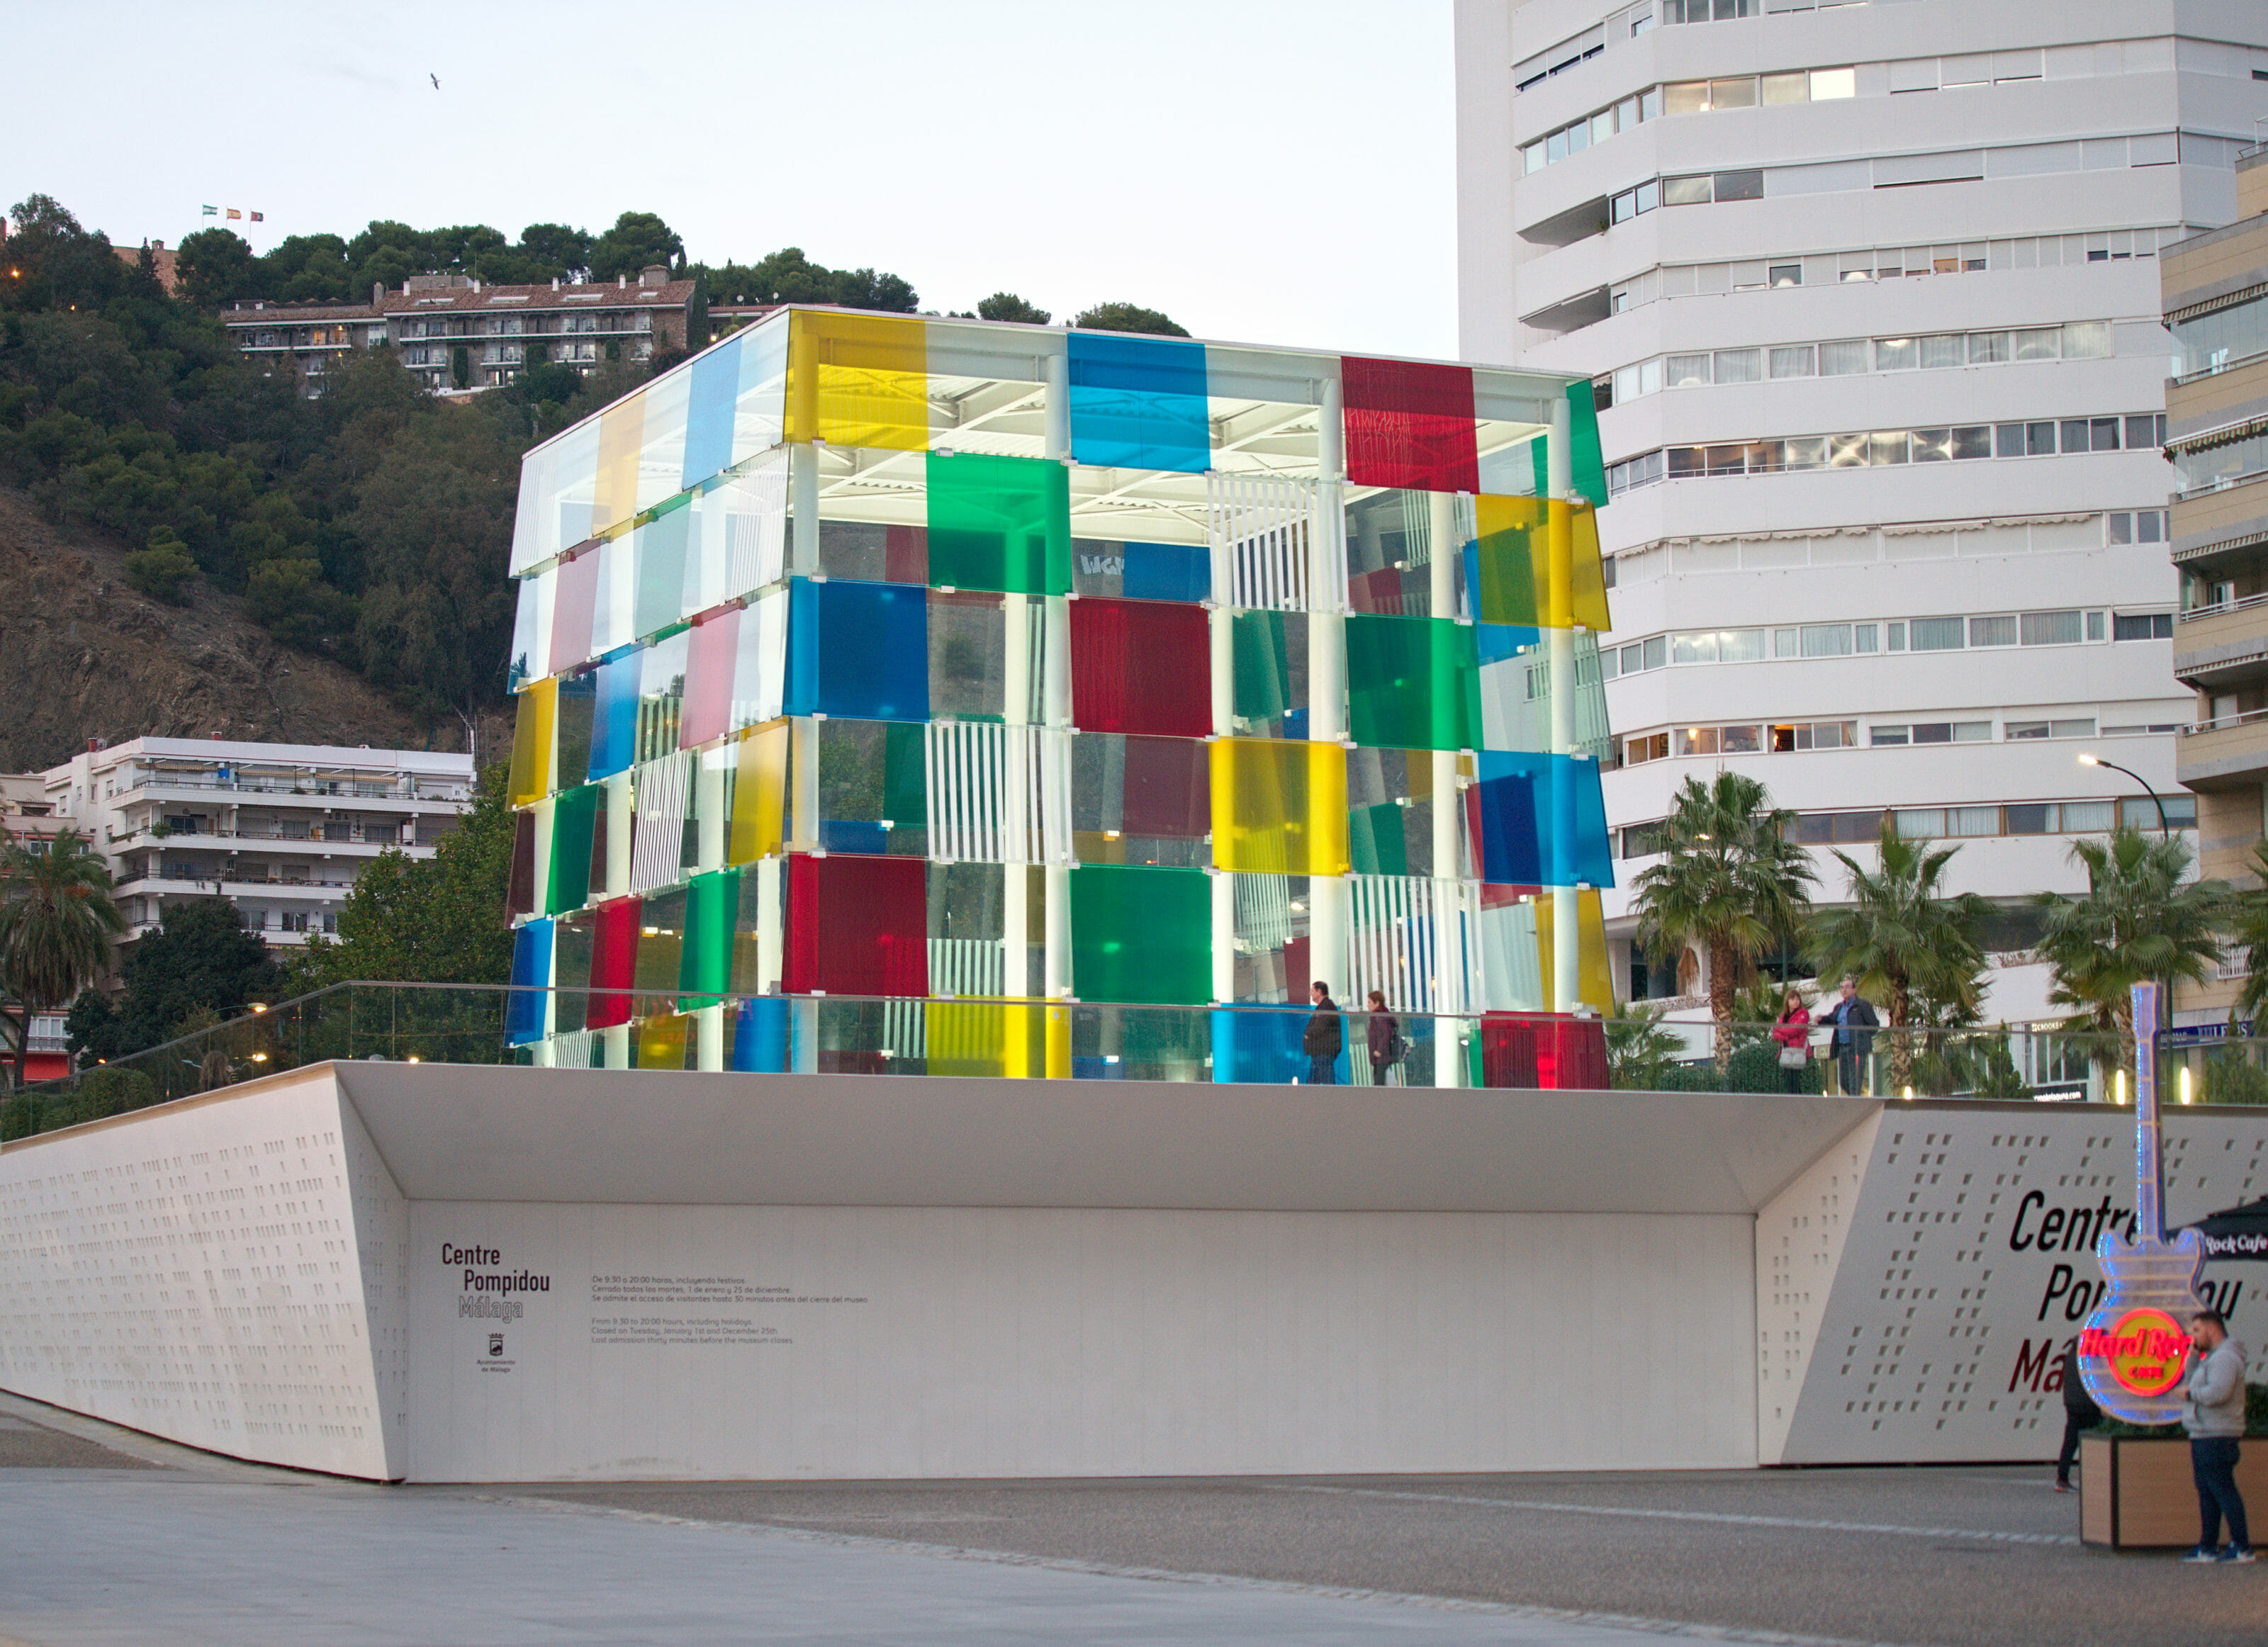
{"x": 653, "y": 1029}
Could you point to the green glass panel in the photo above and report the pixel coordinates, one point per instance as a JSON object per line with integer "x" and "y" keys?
{"x": 1140, "y": 934}
{"x": 1263, "y": 664}
{"x": 999, "y": 522}
{"x": 713, "y": 905}
{"x": 1590, "y": 470}
{"x": 659, "y": 600}
{"x": 1412, "y": 683}
{"x": 1375, "y": 839}
{"x": 573, "y": 816}
{"x": 905, "y": 779}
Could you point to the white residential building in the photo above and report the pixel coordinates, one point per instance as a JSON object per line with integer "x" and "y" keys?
{"x": 281, "y": 830}
{"x": 1872, "y": 289}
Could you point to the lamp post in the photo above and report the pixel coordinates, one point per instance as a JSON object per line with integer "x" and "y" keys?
{"x": 2097, "y": 761}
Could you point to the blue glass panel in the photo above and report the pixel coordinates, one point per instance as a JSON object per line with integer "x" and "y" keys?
{"x": 1543, "y": 820}
{"x": 760, "y": 1032}
{"x": 1098, "y": 1069}
{"x": 1261, "y": 1044}
{"x": 614, "y": 721}
{"x": 709, "y": 413}
{"x": 1138, "y": 402}
{"x": 854, "y": 834}
{"x": 531, "y": 965}
{"x": 857, "y": 650}
{"x": 1169, "y": 571}
{"x": 1500, "y": 641}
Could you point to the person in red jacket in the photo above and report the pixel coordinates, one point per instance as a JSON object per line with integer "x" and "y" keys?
{"x": 1792, "y": 1031}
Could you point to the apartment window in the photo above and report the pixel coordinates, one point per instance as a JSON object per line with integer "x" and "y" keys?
{"x": 2020, "y": 731}
{"x": 1885, "y": 736}
{"x": 1920, "y": 824}
{"x": 1894, "y": 636}
{"x": 2094, "y": 625}
{"x": 2142, "y": 626}
{"x": 1932, "y": 445}
{"x": 1685, "y": 191}
{"x": 2141, "y": 431}
{"x": 2139, "y": 812}
{"x": 1698, "y": 648}
{"x": 1943, "y": 350}
{"x": 1973, "y": 442}
{"x": 1826, "y": 640}
{"x": 2053, "y": 629}
{"x": 1842, "y": 359}
{"x": 2039, "y": 343}
{"x": 1989, "y": 348}
{"x": 1935, "y": 634}
{"x": 1684, "y": 371}
{"x": 1740, "y": 741}
{"x": 2031, "y": 818}
{"x": 1740, "y": 365}
{"x": 1972, "y": 820}
{"x": 2145, "y": 526}
{"x": 1656, "y": 651}
{"x": 1748, "y": 185}
{"x": 2226, "y": 462}
{"x": 2087, "y": 817}
{"x": 1993, "y": 631}
{"x": 1897, "y": 354}
{"x": 1784, "y": 275}
{"x": 2086, "y": 340}
{"x": 1694, "y": 740}
{"x": 1652, "y": 746}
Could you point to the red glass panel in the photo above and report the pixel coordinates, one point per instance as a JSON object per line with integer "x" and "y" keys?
{"x": 712, "y": 649}
{"x": 1141, "y": 666}
{"x": 614, "y": 961}
{"x": 857, "y": 925}
{"x": 1409, "y": 424}
{"x": 1167, "y": 792}
{"x": 905, "y": 554}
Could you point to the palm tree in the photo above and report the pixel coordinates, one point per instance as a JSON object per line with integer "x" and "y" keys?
{"x": 2139, "y": 922}
{"x": 1909, "y": 945}
{"x": 1729, "y": 883}
{"x": 58, "y": 927}
{"x": 1638, "y": 1047}
{"x": 2248, "y": 926}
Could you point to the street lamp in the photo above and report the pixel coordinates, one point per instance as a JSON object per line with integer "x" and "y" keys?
{"x": 2097, "y": 761}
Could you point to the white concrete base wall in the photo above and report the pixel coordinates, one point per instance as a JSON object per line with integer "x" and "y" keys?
{"x": 197, "y": 1271}
{"x": 877, "y": 1341}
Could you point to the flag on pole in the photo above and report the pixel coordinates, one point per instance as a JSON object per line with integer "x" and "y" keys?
{"x": 234, "y": 214}
{"x": 258, "y": 218}
{"x": 212, "y": 211}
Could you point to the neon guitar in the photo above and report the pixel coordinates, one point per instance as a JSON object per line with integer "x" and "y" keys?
{"x": 2131, "y": 1349}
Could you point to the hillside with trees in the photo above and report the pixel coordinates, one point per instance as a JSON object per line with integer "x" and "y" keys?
{"x": 365, "y": 533}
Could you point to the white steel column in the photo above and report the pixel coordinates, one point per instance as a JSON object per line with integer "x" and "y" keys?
{"x": 803, "y": 508}
{"x": 1450, "y": 991}
{"x": 1054, "y": 712}
{"x": 1566, "y": 939}
{"x": 1327, "y": 684}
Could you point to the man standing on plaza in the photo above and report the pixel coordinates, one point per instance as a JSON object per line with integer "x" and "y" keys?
{"x": 1324, "y": 1038}
{"x": 2216, "y": 1421}
{"x": 1852, "y": 1042}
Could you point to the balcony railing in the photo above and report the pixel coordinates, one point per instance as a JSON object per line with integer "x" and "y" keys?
{"x": 2221, "y": 608}
{"x": 2223, "y": 723}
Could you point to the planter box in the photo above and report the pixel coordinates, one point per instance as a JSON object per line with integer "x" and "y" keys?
{"x": 2136, "y": 1493}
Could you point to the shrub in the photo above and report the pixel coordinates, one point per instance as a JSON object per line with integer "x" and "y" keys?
{"x": 163, "y": 570}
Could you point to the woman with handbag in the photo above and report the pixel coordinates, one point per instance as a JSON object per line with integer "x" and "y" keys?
{"x": 1793, "y": 1032}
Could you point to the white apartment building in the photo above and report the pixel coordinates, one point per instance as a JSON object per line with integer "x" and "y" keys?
{"x": 280, "y": 830}
{"x": 1872, "y": 289}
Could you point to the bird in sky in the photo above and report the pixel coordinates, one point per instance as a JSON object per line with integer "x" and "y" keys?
{"x": 436, "y": 80}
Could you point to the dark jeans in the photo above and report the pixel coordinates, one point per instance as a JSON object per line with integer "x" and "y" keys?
{"x": 1323, "y": 1071}
{"x": 1792, "y": 1080}
{"x": 1846, "y": 1073}
{"x": 1379, "y": 1071}
{"x": 2072, "y": 1424}
{"x": 2213, "y": 1460}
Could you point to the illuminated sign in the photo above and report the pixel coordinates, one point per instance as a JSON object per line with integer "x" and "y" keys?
{"x": 2142, "y": 1349}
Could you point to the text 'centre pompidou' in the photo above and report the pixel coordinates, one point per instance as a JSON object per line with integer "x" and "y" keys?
{"x": 919, "y": 696}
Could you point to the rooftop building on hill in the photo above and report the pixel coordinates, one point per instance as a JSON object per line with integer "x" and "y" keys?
{"x": 456, "y": 333}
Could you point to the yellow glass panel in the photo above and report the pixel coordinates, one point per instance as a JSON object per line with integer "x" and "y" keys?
{"x": 662, "y": 1041}
{"x": 1594, "y": 987}
{"x": 858, "y": 380}
{"x": 1019, "y": 1040}
{"x": 1279, "y": 806}
{"x": 621, "y": 433}
{"x": 759, "y": 794}
{"x": 1589, "y": 589}
{"x": 531, "y": 742}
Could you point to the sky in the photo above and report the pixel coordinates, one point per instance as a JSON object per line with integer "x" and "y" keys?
{"x": 1264, "y": 170}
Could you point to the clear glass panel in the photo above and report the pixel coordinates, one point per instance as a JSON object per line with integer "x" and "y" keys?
{"x": 1735, "y": 93}
{"x": 1992, "y": 631}
{"x": 1920, "y": 824}
{"x": 1739, "y": 366}
{"x": 1685, "y": 191}
{"x": 1943, "y": 349}
{"x": 1686, "y": 97}
{"x": 1799, "y": 360}
{"x": 1842, "y": 357}
{"x": 2039, "y": 343}
{"x": 1787, "y": 88}
{"x": 1686, "y": 370}
{"x": 1973, "y": 821}
{"x": 2050, "y": 628}
{"x": 1694, "y": 648}
{"x": 1897, "y": 354}
{"x": 1989, "y": 348}
{"x": 1740, "y": 646}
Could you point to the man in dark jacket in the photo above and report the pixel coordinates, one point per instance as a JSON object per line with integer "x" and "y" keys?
{"x": 1324, "y": 1039}
{"x": 2079, "y": 1413}
{"x": 1852, "y": 1042}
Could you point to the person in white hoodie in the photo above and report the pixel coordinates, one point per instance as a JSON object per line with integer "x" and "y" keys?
{"x": 2215, "y": 1423}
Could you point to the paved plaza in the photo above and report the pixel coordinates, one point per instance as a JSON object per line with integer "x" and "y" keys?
{"x": 115, "y": 1538}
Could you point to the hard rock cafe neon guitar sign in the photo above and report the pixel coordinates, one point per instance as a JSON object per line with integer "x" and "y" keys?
{"x": 2130, "y": 1351}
